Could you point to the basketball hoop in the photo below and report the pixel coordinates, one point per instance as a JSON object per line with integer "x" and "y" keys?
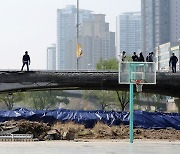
{"x": 138, "y": 86}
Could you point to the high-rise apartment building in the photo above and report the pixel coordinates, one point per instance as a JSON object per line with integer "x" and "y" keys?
{"x": 128, "y": 32}
{"x": 160, "y": 23}
{"x": 66, "y": 35}
{"x": 51, "y": 57}
{"x": 94, "y": 36}
{"x": 175, "y": 20}
{"x": 97, "y": 42}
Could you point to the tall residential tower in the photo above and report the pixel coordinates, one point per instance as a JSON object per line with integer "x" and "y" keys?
{"x": 128, "y": 32}
{"x": 66, "y": 35}
{"x": 160, "y": 23}
{"x": 51, "y": 57}
{"x": 96, "y": 40}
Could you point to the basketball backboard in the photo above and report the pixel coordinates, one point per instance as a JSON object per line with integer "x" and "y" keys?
{"x": 131, "y": 72}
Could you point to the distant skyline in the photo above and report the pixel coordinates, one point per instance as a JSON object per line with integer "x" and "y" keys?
{"x": 31, "y": 25}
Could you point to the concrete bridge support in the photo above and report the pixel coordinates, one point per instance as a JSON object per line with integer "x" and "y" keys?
{"x": 177, "y": 102}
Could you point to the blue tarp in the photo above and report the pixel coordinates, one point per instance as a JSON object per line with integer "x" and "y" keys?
{"x": 142, "y": 119}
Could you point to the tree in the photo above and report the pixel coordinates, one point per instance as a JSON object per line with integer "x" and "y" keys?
{"x": 111, "y": 64}
{"x": 123, "y": 99}
{"x": 103, "y": 98}
{"x": 149, "y": 99}
{"x": 10, "y": 98}
{"x": 47, "y": 99}
{"x": 123, "y": 96}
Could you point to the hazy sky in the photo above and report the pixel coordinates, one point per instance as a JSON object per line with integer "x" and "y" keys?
{"x": 31, "y": 25}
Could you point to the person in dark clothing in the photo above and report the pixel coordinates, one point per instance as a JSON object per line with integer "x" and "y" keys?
{"x": 123, "y": 56}
{"x": 141, "y": 57}
{"x": 172, "y": 62}
{"x": 26, "y": 61}
{"x": 149, "y": 58}
{"x": 135, "y": 57}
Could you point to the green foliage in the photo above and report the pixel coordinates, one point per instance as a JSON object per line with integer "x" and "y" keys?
{"x": 128, "y": 58}
{"x": 111, "y": 64}
{"x": 10, "y": 98}
{"x": 40, "y": 100}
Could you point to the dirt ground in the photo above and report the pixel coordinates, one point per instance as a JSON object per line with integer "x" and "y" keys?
{"x": 71, "y": 131}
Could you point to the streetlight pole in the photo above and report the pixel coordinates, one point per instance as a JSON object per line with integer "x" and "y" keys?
{"x": 77, "y": 35}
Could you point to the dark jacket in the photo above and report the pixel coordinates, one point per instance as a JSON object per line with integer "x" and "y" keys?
{"x": 141, "y": 58}
{"x": 135, "y": 58}
{"x": 26, "y": 58}
{"x": 149, "y": 58}
{"x": 173, "y": 60}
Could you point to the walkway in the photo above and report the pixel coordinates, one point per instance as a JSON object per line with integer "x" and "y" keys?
{"x": 92, "y": 147}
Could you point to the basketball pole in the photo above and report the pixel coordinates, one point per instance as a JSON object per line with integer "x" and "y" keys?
{"x": 131, "y": 104}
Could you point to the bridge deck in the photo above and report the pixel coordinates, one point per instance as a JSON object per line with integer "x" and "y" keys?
{"x": 167, "y": 83}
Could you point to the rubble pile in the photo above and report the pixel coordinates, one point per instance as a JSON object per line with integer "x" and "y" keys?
{"x": 37, "y": 129}
{"x": 70, "y": 131}
{"x": 41, "y": 131}
{"x": 102, "y": 131}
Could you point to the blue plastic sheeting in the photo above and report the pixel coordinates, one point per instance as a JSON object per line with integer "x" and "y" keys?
{"x": 147, "y": 120}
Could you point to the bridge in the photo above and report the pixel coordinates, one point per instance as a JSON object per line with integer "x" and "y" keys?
{"x": 15, "y": 81}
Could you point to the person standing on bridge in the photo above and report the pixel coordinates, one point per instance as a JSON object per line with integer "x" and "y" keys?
{"x": 26, "y": 61}
{"x": 135, "y": 57}
{"x": 172, "y": 62}
{"x": 123, "y": 58}
{"x": 141, "y": 57}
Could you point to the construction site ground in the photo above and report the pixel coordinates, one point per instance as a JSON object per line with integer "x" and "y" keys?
{"x": 71, "y": 131}
{"x": 68, "y": 138}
